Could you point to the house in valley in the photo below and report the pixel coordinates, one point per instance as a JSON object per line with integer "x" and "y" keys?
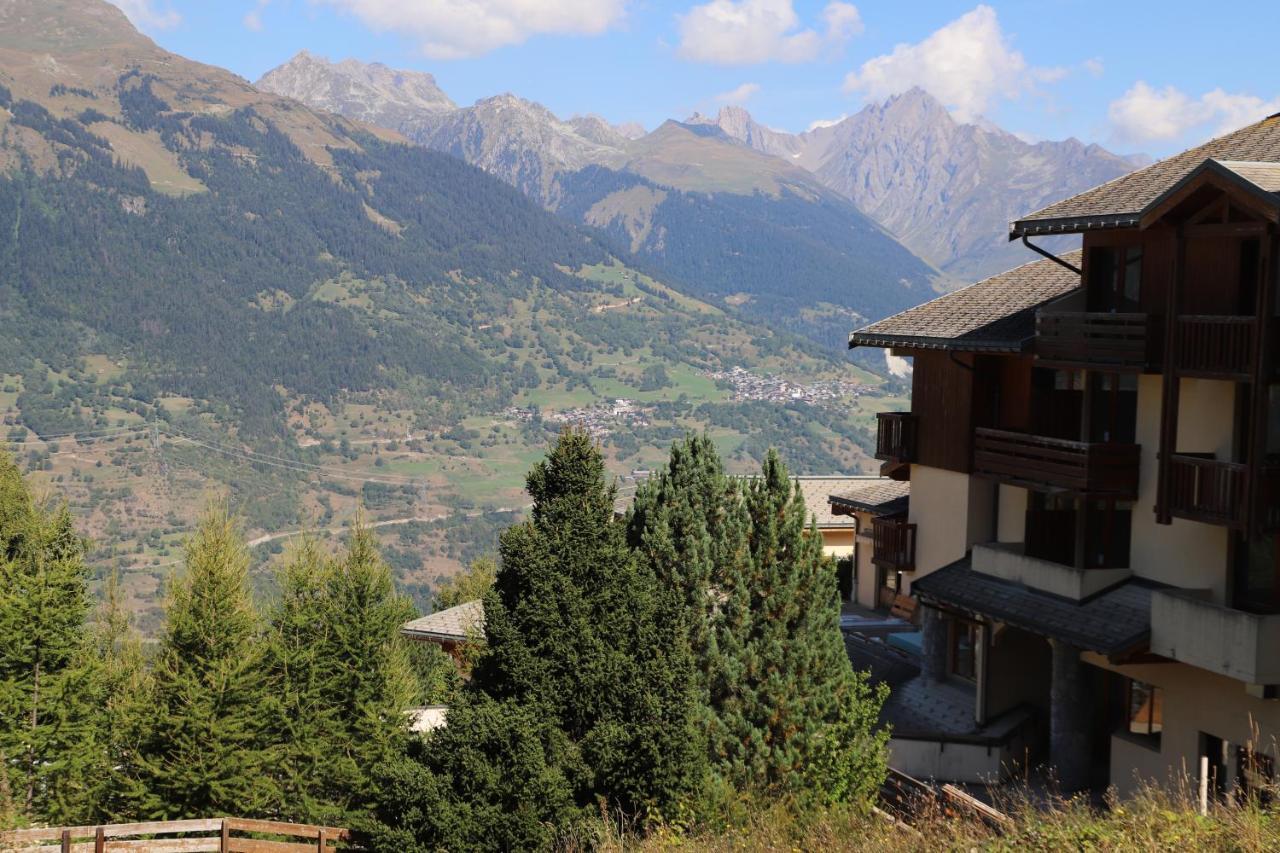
{"x": 1093, "y": 449}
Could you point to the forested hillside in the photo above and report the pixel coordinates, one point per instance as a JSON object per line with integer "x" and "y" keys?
{"x": 203, "y": 287}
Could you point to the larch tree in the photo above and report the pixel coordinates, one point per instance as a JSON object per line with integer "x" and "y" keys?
{"x": 205, "y": 751}
{"x": 44, "y": 602}
{"x": 345, "y": 675}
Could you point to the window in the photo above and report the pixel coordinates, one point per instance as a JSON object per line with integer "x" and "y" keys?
{"x": 964, "y": 649}
{"x": 1115, "y": 278}
{"x": 1146, "y": 710}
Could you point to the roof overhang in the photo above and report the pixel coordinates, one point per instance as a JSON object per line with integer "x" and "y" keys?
{"x": 890, "y": 507}
{"x": 858, "y": 339}
{"x": 1072, "y": 225}
{"x": 1211, "y": 172}
{"x": 1044, "y": 614}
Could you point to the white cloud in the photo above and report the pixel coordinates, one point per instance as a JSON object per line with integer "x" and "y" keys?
{"x": 1095, "y": 66}
{"x": 1147, "y": 114}
{"x": 826, "y": 122}
{"x": 456, "y": 29}
{"x": 147, "y": 15}
{"x": 967, "y": 65}
{"x": 738, "y": 95}
{"x": 744, "y": 32}
{"x": 253, "y": 18}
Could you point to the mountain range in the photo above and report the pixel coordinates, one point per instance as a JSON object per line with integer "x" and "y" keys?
{"x": 730, "y": 224}
{"x": 945, "y": 189}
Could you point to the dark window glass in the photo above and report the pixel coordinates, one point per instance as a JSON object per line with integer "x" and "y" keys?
{"x": 1146, "y": 709}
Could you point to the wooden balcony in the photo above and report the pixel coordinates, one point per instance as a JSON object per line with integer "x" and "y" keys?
{"x": 894, "y": 543}
{"x": 1057, "y": 465}
{"x": 1097, "y": 341}
{"x": 1214, "y": 347}
{"x": 1204, "y": 489}
{"x": 896, "y": 437}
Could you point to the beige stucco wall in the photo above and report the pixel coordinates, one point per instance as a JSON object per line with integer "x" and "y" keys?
{"x": 837, "y": 543}
{"x": 865, "y": 590}
{"x": 1185, "y": 553}
{"x": 952, "y": 511}
{"x": 1012, "y": 521}
{"x": 1195, "y": 701}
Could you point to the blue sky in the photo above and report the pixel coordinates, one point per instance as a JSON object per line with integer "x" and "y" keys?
{"x": 1132, "y": 75}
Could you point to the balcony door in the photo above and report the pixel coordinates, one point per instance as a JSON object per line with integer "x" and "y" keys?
{"x": 1115, "y": 279}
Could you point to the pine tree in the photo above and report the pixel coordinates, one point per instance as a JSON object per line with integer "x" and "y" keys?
{"x": 204, "y": 752}
{"x": 44, "y": 602}
{"x": 689, "y": 525}
{"x": 793, "y": 713}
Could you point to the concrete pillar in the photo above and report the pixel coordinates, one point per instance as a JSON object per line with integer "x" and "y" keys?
{"x": 933, "y": 642}
{"x": 1070, "y": 750}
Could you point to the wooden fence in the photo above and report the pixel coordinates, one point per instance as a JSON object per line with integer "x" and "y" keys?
{"x": 214, "y": 835}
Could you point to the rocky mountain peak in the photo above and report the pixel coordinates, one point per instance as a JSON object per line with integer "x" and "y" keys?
{"x": 369, "y": 92}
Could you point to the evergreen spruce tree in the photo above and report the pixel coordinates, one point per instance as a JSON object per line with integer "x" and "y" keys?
{"x": 44, "y": 602}
{"x": 794, "y": 714}
{"x": 585, "y": 696}
{"x": 204, "y": 751}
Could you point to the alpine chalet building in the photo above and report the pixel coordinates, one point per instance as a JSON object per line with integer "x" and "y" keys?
{"x": 1093, "y": 449}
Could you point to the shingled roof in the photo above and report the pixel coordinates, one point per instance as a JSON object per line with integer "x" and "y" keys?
{"x": 994, "y": 315}
{"x": 1116, "y": 621}
{"x": 881, "y": 496}
{"x": 817, "y": 490}
{"x": 1119, "y": 203}
{"x": 454, "y": 625}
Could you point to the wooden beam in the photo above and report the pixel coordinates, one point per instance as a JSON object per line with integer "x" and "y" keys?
{"x": 1169, "y": 402}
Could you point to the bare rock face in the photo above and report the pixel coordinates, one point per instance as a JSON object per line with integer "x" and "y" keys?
{"x": 947, "y": 190}
{"x": 371, "y": 93}
{"x": 520, "y": 141}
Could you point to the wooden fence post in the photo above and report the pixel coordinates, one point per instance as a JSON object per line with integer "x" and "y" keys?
{"x": 323, "y": 841}
{"x": 66, "y": 841}
{"x": 226, "y": 836}
{"x": 99, "y": 841}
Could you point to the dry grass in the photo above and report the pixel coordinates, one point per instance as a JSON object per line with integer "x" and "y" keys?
{"x": 1154, "y": 820}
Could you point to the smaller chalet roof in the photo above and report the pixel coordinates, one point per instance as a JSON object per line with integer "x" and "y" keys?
{"x": 1119, "y": 203}
{"x": 879, "y": 497}
{"x": 1112, "y": 622}
{"x": 817, "y": 492}
{"x": 455, "y": 625}
{"x": 995, "y": 315}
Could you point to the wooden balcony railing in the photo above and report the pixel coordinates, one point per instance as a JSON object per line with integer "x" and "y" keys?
{"x": 1077, "y": 339}
{"x": 1214, "y": 347}
{"x": 1055, "y": 464}
{"x": 894, "y": 543}
{"x": 1204, "y": 489}
{"x": 896, "y": 437}
{"x": 214, "y": 835}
